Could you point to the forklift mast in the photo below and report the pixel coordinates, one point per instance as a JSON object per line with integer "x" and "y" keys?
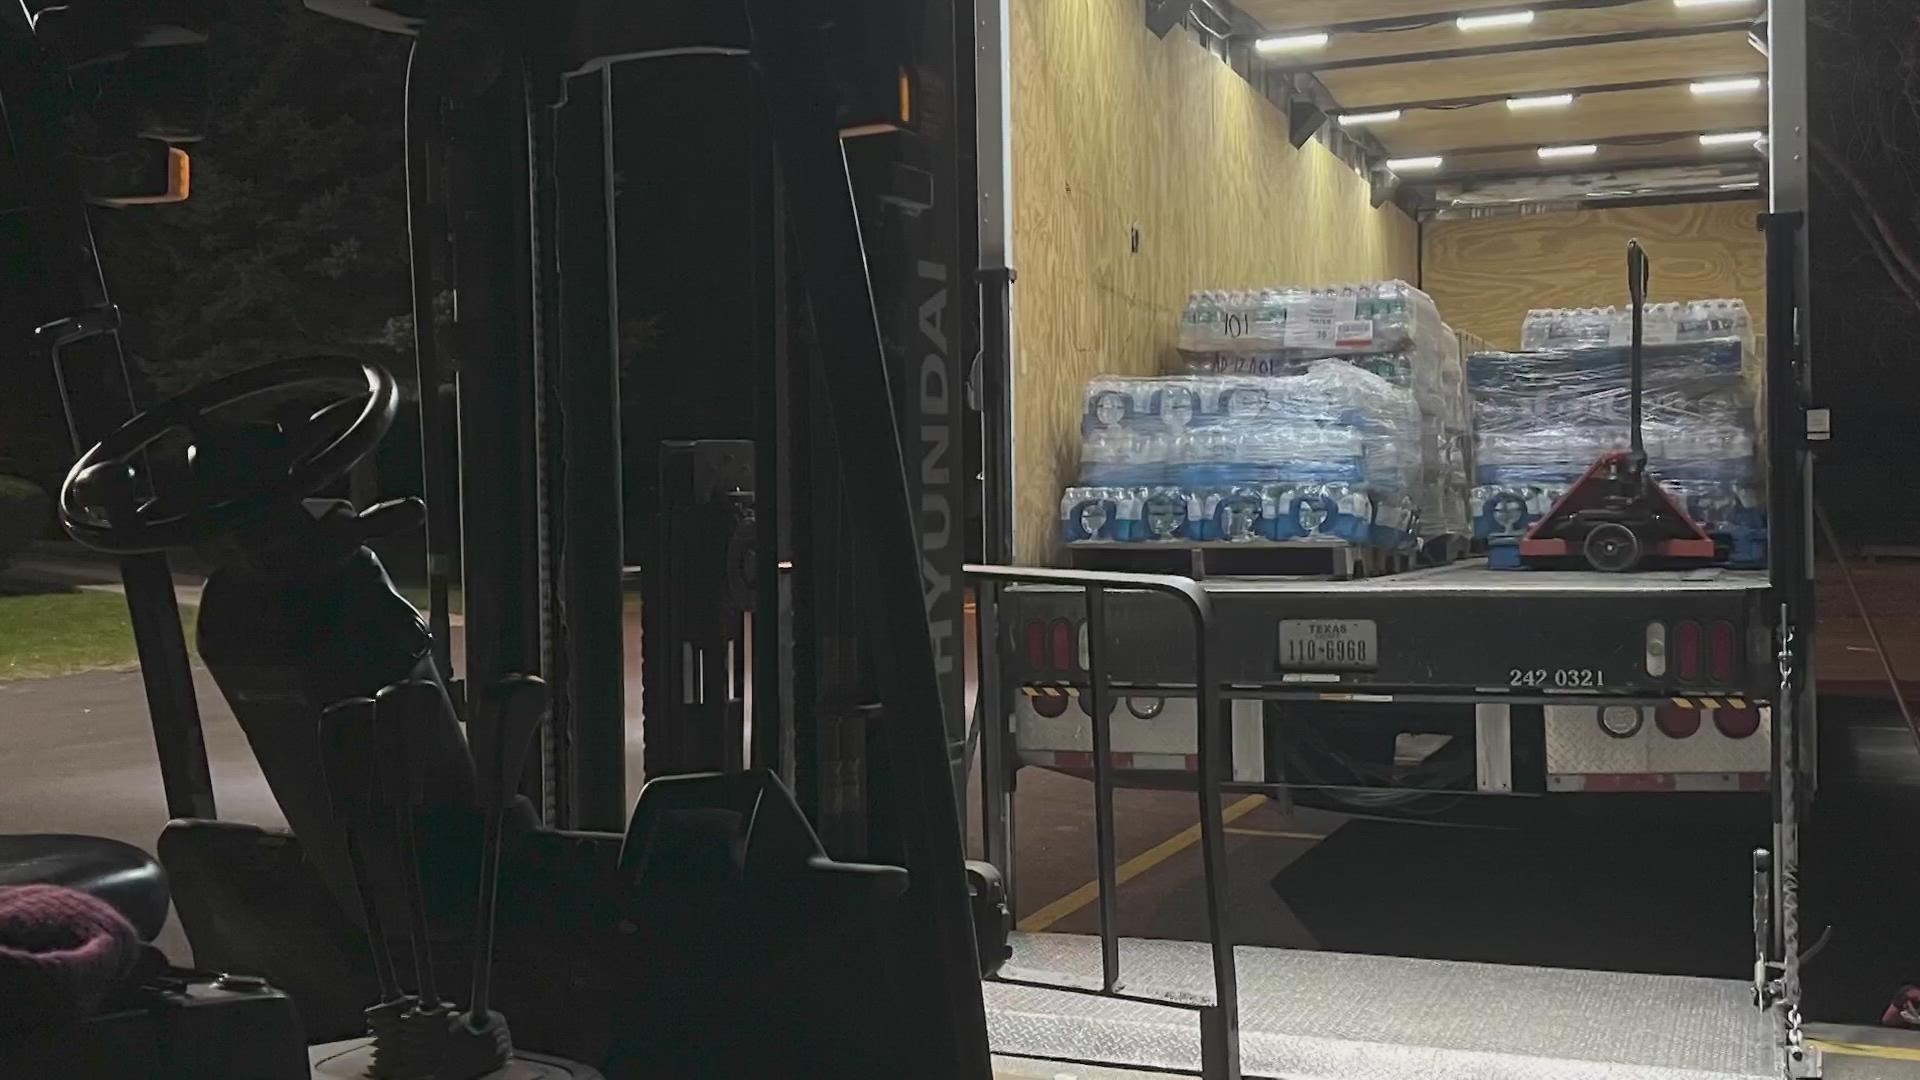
{"x": 860, "y": 244}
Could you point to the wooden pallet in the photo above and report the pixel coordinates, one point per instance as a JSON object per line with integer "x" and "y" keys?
{"x": 1249, "y": 558}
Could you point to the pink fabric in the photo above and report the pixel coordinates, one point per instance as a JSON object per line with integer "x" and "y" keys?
{"x": 61, "y": 952}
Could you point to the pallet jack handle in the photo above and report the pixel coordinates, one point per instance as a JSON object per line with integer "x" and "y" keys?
{"x": 1638, "y": 276}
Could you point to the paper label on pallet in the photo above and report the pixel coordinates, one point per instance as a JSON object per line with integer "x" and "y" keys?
{"x": 1354, "y": 332}
{"x": 1316, "y": 323}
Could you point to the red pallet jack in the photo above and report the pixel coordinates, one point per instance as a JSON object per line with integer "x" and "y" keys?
{"x": 1617, "y": 517}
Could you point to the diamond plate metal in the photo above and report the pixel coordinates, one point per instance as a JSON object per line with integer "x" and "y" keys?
{"x": 1170, "y": 732}
{"x": 1576, "y": 744}
{"x": 1329, "y": 1016}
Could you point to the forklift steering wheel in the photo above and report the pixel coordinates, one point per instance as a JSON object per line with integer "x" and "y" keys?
{"x": 98, "y": 501}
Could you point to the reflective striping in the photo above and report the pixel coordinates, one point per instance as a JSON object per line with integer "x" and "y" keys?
{"x": 1049, "y": 691}
{"x": 1709, "y": 703}
{"x": 1615, "y": 783}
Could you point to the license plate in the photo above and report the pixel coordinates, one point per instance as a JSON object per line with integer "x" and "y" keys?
{"x": 1329, "y": 644}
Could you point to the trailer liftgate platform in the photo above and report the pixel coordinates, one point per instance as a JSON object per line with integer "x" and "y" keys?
{"x": 1310, "y": 1014}
{"x": 1328, "y": 1016}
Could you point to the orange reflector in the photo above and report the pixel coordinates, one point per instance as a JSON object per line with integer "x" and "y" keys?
{"x": 179, "y": 184}
{"x": 906, "y": 98}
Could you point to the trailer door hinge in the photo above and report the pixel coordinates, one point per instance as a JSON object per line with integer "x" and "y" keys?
{"x": 1819, "y": 425}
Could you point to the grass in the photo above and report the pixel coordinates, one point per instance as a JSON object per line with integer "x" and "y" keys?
{"x": 48, "y": 634}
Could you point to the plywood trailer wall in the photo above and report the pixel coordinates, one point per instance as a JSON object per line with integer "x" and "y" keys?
{"x": 1145, "y": 168}
{"x": 1485, "y": 273}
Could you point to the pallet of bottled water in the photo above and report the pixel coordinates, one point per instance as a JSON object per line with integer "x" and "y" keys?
{"x": 1326, "y": 457}
{"x": 1542, "y": 417}
{"x": 1332, "y": 320}
{"x": 1681, "y": 322}
{"x": 1389, "y": 330}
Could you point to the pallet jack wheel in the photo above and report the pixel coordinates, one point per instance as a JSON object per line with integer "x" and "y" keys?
{"x": 1611, "y": 547}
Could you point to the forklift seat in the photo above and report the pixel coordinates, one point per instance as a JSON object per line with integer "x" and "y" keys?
{"x": 122, "y": 875}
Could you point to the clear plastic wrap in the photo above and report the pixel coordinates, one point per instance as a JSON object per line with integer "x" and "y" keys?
{"x": 1332, "y": 320}
{"x": 1311, "y": 454}
{"x": 1375, "y": 350}
{"x": 1542, "y": 417}
{"x": 1676, "y": 323}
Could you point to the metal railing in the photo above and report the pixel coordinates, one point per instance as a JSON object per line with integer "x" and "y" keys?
{"x": 1220, "y": 1021}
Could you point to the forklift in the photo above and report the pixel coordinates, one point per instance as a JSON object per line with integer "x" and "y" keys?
{"x": 468, "y": 889}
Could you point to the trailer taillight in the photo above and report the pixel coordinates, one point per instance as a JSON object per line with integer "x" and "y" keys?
{"x": 1036, "y": 644}
{"x": 1686, "y": 647}
{"x": 1656, "y": 649}
{"x": 1062, "y": 645}
{"x": 1737, "y": 723}
{"x": 1050, "y": 706}
{"x": 1675, "y": 722}
{"x": 1621, "y": 721}
{"x": 1720, "y": 653}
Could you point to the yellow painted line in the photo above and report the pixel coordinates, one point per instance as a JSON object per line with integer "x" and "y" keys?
{"x": 1868, "y": 1050}
{"x": 1134, "y": 867}
{"x": 1277, "y": 834}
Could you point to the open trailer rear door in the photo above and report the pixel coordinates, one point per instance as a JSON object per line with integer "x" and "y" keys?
{"x": 1498, "y": 154}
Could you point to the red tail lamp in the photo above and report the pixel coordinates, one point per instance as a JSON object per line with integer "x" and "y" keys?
{"x": 1686, "y": 647}
{"x": 1062, "y": 645}
{"x": 1737, "y": 723}
{"x": 1675, "y": 722}
{"x": 1720, "y": 653}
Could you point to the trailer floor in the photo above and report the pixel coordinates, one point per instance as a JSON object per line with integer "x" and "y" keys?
{"x": 1312, "y": 1015}
{"x": 1473, "y": 576}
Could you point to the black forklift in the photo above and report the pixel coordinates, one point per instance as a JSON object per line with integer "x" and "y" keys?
{"x": 468, "y": 889}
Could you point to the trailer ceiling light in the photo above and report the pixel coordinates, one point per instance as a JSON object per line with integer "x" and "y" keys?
{"x": 1730, "y": 138}
{"x": 1579, "y": 150}
{"x": 1540, "y": 101}
{"x": 1490, "y": 22}
{"x": 1292, "y": 42}
{"x": 1414, "y": 164}
{"x": 1727, "y": 86}
{"x": 1740, "y": 185}
{"x": 1384, "y": 116}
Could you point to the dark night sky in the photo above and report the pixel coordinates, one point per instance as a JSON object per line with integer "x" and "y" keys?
{"x": 1864, "y": 90}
